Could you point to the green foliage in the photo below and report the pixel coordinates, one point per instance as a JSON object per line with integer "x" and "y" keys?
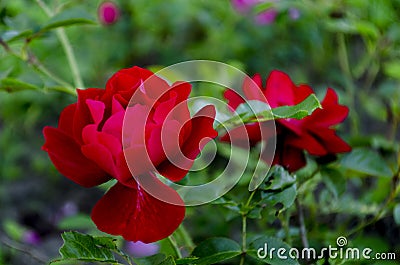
{"x": 253, "y": 111}
{"x": 215, "y": 250}
{"x": 83, "y": 247}
{"x": 366, "y": 161}
{"x": 157, "y": 259}
{"x": 67, "y": 18}
{"x": 351, "y": 46}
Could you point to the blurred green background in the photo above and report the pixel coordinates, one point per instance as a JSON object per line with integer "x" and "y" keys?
{"x": 351, "y": 46}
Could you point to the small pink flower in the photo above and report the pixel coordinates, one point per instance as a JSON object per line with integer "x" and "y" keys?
{"x": 139, "y": 249}
{"x": 31, "y": 237}
{"x": 294, "y": 13}
{"x": 108, "y": 13}
{"x": 266, "y": 17}
{"x": 244, "y": 6}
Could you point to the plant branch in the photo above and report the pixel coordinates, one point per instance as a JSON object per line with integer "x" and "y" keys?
{"x": 62, "y": 36}
{"x": 244, "y": 227}
{"x": 184, "y": 235}
{"x": 395, "y": 191}
{"x": 345, "y": 66}
{"x": 175, "y": 246}
{"x": 23, "y": 249}
{"x": 303, "y": 231}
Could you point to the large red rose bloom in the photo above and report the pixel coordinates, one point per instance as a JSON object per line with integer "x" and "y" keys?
{"x": 87, "y": 148}
{"x": 313, "y": 133}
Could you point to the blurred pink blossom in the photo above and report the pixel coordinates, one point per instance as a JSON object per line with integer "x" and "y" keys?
{"x": 265, "y": 17}
{"x": 31, "y": 237}
{"x": 108, "y": 13}
{"x": 139, "y": 249}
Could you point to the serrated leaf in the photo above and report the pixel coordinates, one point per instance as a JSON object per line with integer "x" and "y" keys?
{"x": 215, "y": 250}
{"x": 396, "y": 214}
{"x": 151, "y": 260}
{"x": 10, "y": 84}
{"x": 366, "y": 161}
{"x": 67, "y": 18}
{"x": 83, "y": 247}
{"x": 286, "y": 197}
{"x": 257, "y": 111}
{"x": 277, "y": 179}
{"x": 260, "y": 249}
{"x": 299, "y": 111}
{"x": 187, "y": 260}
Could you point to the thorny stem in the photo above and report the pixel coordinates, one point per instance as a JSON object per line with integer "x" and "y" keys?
{"x": 244, "y": 228}
{"x": 62, "y": 36}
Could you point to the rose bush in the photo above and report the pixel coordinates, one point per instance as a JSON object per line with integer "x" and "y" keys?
{"x": 314, "y": 133}
{"x": 87, "y": 148}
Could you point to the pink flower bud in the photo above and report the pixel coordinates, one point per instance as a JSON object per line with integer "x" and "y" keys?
{"x": 108, "y": 13}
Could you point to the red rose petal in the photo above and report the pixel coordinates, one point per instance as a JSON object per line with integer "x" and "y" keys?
{"x": 202, "y": 128}
{"x": 66, "y": 155}
{"x": 136, "y": 215}
{"x": 234, "y": 99}
{"x": 333, "y": 143}
{"x": 66, "y": 120}
{"x": 279, "y": 89}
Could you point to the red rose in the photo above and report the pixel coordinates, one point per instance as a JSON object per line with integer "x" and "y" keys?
{"x": 313, "y": 133}
{"x": 87, "y": 148}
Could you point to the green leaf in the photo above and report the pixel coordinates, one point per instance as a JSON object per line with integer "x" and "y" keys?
{"x": 347, "y": 26}
{"x": 299, "y": 111}
{"x": 67, "y": 18}
{"x": 258, "y": 111}
{"x": 281, "y": 200}
{"x": 168, "y": 261}
{"x": 13, "y": 229}
{"x": 157, "y": 259}
{"x": 229, "y": 204}
{"x": 187, "y": 260}
{"x": 13, "y": 35}
{"x": 277, "y": 179}
{"x": 214, "y": 250}
{"x": 10, "y": 84}
{"x": 334, "y": 180}
{"x": 392, "y": 69}
{"x": 366, "y": 161}
{"x": 263, "y": 245}
{"x": 396, "y": 213}
{"x": 151, "y": 260}
{"x": 83, "y": 247}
